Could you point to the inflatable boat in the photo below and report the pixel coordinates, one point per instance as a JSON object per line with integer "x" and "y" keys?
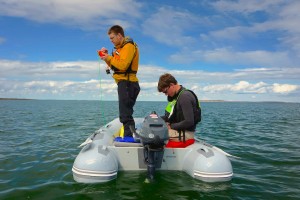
{"x": 104, "y": 153}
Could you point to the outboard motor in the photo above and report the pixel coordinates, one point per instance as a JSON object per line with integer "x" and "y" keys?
{"x": 153, "y": 135}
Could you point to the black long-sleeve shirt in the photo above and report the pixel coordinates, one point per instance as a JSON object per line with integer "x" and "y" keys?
{"x": 184, "y": 112}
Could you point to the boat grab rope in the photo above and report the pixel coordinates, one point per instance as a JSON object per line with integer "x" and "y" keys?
{"x": 216, "y": 148}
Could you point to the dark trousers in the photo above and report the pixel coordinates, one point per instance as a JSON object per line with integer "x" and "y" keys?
{"x": 127, "y": 92}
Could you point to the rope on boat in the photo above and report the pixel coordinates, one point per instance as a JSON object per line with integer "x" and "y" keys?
{"x": 216, "y": 148}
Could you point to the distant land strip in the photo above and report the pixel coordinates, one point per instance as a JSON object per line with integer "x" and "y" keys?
{"x": 35, "y": 99}
{"x": 204, "y": 100}
{"x": 14, "y": 99}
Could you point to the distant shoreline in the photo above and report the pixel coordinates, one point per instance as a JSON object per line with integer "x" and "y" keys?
{"x": 201, "y": 101}
{"x": 14, "y": 99}
{"x": 97, "y": 100}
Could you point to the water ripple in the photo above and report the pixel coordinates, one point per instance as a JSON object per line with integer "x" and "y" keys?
{"x": 39, "y": 140}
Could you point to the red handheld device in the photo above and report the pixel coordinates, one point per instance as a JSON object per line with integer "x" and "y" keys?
{"x": 100, "y": 53}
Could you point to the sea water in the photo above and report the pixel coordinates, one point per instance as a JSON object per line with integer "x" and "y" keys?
{"x": 39, "y": 142}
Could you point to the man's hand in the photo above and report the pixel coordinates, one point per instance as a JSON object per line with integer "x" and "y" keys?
{"x": 168, "y": 125}
{"x": 104, "y": 56}
{"x": 103, "y": 53}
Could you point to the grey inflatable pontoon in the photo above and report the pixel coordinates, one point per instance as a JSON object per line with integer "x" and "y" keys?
{"x": 101, "y": 157}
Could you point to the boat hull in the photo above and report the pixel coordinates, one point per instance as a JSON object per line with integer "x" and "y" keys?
{"x": 101, "y": 159}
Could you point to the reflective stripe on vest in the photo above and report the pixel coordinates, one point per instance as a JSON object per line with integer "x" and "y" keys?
{"x": 171, "y": 105}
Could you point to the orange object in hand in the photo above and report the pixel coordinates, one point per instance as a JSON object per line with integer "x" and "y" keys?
{"x": 101, "y": 54}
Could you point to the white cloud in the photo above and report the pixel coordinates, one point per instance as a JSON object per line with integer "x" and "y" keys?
{"x": 244, "y": 6}
{"x": 284, "y": 88}
{"x": 280, "y": 21}
{"x": 58, "y": 89}
{"x": 256, "y": 88}
{"x": 85, "y": 14}
{"x": 170, "y": 26}
{"x": 87, "y": 70}
{"x": 284, "y": 73}
{"x": 231, "y": 57}
{"x": 231, "y": 33}
{"x": 56, "y": 70}
{"x": 80, "y": 80}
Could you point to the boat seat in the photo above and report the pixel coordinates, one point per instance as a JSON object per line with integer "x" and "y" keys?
{"x": 180, "y": 144}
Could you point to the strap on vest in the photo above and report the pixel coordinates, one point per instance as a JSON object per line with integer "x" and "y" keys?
{"x": 181, "y": 136}
{"x": 129, "y": 69}
{"x": 131, "y": 72}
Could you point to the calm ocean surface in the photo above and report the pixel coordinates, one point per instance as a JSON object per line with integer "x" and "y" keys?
{"x": 39, "y": 139}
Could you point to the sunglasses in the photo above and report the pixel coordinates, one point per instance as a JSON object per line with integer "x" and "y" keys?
{"x": 166, "y": 90}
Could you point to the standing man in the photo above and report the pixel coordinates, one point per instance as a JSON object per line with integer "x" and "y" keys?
{"x": 183, "y": 111}
{"x": 124, "y": 63}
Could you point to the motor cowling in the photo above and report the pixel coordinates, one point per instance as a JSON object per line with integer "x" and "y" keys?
{"x": 154, "y": 131}
{"x": 153, "y": 135}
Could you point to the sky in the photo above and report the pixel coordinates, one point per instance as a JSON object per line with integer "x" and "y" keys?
{"x": 227, "y": 50}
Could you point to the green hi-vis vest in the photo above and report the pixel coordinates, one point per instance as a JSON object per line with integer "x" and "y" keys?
{"x": 171, "y": 105}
